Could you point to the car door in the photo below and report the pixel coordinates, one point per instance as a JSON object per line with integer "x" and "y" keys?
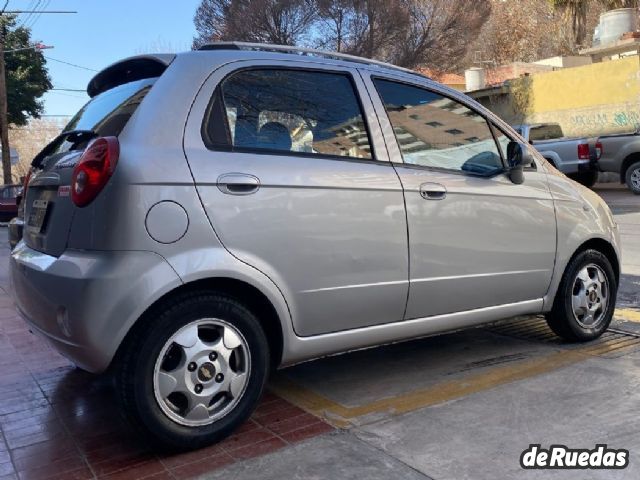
{"x": 476, "y": 239}
{"x": 294, "y": 176}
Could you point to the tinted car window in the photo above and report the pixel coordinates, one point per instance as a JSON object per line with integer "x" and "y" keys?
{"x": 436, "y": 131}
{"x": 288, "y": 110}
{"x": 105, "y": 114}
{"x": 545, "y": 132}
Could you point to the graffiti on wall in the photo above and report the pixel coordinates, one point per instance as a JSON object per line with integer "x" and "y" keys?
{"x": 628, "y": 119}
{"x": 591, "y": 121}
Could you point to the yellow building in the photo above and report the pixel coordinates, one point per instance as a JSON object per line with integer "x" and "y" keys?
{"x": 586, "y": 100}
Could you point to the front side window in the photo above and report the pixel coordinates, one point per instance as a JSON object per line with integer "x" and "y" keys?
{"x": 435, "y": 131}
{"x": 288, "y": 111}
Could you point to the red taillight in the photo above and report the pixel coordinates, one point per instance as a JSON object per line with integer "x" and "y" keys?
{"x": 599, "y": 150}
{"x": 95, "y": 167}
{"x": 583, "y": 151}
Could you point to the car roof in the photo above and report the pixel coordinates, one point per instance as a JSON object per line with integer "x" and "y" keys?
{"x": 227, "y": 52}
{"x": 323, "y": 55}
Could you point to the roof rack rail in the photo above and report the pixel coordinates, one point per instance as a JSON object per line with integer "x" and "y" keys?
{"x": 267, "y": 47}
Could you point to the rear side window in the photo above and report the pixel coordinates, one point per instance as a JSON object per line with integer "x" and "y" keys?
{"x": 545, "y": 132}
{"x": 279, "y": 110}
{"x": 105, "y": 114}
{"x": 438, "y": 132}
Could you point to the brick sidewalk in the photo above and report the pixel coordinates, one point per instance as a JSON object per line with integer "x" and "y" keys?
{"x": 57, "y": 422}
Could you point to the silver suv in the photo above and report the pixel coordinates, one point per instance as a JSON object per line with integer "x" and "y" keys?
{"x": 215, "y": 214}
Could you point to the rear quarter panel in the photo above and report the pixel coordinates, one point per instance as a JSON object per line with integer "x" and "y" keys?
{"x": 152, "y": 168}
{"x": 563, "y": 153}
{"x": 615, "y": 150}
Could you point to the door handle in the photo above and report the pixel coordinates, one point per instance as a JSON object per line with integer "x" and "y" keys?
{"x": 433, "y": 191}
{"x": 238, "y": 184}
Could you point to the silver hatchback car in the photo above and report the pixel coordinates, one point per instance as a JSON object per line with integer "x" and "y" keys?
{"x": 212, "y": 215}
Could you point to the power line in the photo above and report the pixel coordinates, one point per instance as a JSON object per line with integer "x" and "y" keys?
{"x": 38, "y": 15}
{"x": 17, "y": 12}
{"x": 25, "y": 19}
{"x": 70, "y": 64}
{"x": 33, "y": 16}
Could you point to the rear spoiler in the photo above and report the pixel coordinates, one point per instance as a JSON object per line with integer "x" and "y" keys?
{"x": 129, "y": 70}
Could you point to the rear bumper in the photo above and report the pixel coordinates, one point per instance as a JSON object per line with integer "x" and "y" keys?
{"x": 575, "y": 166}
{"x": 85, "y": 302}
{"x": 586, "y": 166}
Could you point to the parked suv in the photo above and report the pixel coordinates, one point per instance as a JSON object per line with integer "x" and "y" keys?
{"x": 212, "y": 215}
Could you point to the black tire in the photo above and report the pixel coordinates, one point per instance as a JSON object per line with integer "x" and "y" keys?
{"x": 588, "y": 179}
{"x": 561, "y": 318}
{"x": 135, "y": 368}
{"x": 633, "y": 170}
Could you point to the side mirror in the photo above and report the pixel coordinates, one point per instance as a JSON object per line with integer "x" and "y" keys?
{"x": 518, "y": 157}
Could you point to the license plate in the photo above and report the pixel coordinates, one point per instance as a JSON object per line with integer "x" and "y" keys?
{"x": 37, "y": 214}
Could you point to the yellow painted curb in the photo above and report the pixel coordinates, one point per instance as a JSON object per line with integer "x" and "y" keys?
{"x": 339, "y": 415}
{"x": 628, "y": 314}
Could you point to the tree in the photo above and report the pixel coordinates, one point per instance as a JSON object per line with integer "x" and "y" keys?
{"x": 576, "y": 11}
{"x": 27, "y": 76}
{"x": 439, "y": 32}
{"x": 509, "y": 36}
{"x": 282, "y": 22}
{"x": 335, "y": 20}
{"x": 411, "y": 33}
{"x": 375, "y": 27}
{"x": 611, "y": 4}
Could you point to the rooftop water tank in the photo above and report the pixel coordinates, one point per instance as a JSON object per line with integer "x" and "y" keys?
{"x": 614, "y": 23}
{"x": 474, "y": 79}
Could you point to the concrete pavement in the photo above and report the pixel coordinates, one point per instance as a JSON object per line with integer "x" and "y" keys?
{"x": 459, "y": 406}
{"x": 465, "y": 405}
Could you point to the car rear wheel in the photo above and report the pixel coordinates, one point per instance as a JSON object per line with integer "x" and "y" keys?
{"x": 194, "y": 370}
{"x": 633, "y": 178}
{"x": 585, "y": 301}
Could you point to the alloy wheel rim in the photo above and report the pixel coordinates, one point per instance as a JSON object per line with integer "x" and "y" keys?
{"x": 635, "y": 178}
{"x": 202, "y": 372}
{"x": 590, "y": 296}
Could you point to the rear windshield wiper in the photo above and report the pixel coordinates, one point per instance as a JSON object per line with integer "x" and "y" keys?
{"x": 73, "y": 136}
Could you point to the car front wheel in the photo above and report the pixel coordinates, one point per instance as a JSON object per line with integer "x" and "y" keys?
{"x": 585, "y": 301}
{"x": 194, "y": 370}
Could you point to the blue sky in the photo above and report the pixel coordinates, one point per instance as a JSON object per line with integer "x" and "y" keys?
{"x": 102, "y": 32}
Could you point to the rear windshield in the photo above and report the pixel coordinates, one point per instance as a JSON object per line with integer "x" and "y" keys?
{"x": 545, "y": 132}
{"x": 106, "y": 114}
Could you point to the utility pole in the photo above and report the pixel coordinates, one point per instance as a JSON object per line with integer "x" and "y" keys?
{"x": 4, "y": 122}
